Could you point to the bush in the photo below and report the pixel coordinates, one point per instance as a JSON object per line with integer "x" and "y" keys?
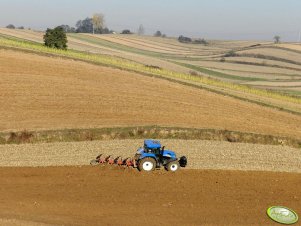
{"x": 56, "y": 38}
{"x": 126, "y": 32}
{"x": 222, "y": 59}
{"x": 231, "y": 53}
{"x": 158, "y": 34}
{"x": 10, "y": 26}
{"x": 68, "y": 29}
{"x": 184, "y": 39}
{"x": 201, "y": 41}
{"x": 194, "y": 73}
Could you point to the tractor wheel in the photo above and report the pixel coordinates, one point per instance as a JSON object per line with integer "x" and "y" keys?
{"x": 147, "y": 164}
{"x": 172, "y": 166}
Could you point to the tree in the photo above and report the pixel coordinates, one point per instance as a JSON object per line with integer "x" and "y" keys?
{"x": 126, "y": 32}
{"x": 277, "y": 39}
{"x": 98, "y": 23}
{"x": 10, "y": 26}
{"x": 84, "y": 26}
{"x": 158, "y": 34}
{"x": 141, "y": 30}
{"x": 56, "y": 38}
{"x": 21, "y": 27}
{"x": 184, "y": 39}
{"x": 68, "y": 29}
{"x": 201, "y": 41}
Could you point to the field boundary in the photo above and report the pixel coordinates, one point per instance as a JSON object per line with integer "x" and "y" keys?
{"x": 143, "y": 132}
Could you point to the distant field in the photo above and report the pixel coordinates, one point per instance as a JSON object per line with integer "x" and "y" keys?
{"x": 256, "y": 60}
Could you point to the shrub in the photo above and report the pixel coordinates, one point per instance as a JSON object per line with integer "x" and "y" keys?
{"x": 231, "y": 53}
{"x": 200, "y": 41}
{"x": 56, "y": 38}
{"x": 158, "y": 34}
{"x": 194, "y": 73}
{"x": 10, "y": 26}
{"x": 184, "y": 39}
{"x": 126, "y": 32}
{"x": 222, "y": 59}
{"x": 20, "y": 137}
{"x": 153, "y": 67}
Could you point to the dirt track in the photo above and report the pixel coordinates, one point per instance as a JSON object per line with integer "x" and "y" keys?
{"x": 108, "y": 196}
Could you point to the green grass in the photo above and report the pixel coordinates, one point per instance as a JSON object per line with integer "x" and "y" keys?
{"x": 218, "y": 74}
{"x": 120, "y": 63}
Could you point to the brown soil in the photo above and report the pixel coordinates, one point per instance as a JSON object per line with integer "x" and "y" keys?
{"x": 200, "y": 154}
{"x": 50, "y": 93}
{"x": 112, "y": 196}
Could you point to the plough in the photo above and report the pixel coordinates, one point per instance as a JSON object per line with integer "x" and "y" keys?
{"x": 148, "y": 158}
{"x": 109, "y": 160}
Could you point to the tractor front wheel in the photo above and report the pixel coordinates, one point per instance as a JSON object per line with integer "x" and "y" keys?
{"x": 172, "y": 166}
{"x": 147, "y": 164}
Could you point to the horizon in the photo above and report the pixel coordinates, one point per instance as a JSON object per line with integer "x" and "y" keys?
{"x": 213, "y": 20}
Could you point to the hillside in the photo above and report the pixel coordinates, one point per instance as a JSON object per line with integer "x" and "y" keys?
{"x": 258, "y": 64}
{"x": 42, "y": 92}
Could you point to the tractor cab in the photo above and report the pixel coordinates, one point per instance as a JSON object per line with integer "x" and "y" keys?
{"x": 153, "y": 146}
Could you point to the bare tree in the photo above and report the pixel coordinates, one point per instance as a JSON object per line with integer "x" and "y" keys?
{"x": 98, "y": 21}
{"x": 277, "y": 39}
{"x": 141, "y": 30}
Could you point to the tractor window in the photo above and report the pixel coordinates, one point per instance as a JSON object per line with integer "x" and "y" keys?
{"x": 157, "y": 151}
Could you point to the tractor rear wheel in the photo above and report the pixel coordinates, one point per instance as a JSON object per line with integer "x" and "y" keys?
{"x": 147, "y": 164}
{"x": 172, "y": 166}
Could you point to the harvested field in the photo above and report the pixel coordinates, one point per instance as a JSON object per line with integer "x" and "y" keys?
{"x": 23, "y": 34}
{"x": 159, "y": 52}
{"x": 275, "y": 52}
{"x": 201, "y": 154}
{"x": 293, "y": 46}
{"x": 139, "y": 45}
{"x": 263, "y": 62}
{"x": 50, "y": 93}
{"x": 105, "y": 196}
{"x": 242, "y": 67}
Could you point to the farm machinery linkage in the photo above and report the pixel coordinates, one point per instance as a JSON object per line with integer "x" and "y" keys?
{"x": 147, "y": 158}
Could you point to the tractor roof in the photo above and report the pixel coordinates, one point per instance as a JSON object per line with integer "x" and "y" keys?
{"x": 152, "y": 144}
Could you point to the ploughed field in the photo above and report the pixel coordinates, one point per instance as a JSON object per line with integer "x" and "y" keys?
{"x": 110, "y": 196}
{"x": 41, "y": 92}
{"x": 259, "y": 64}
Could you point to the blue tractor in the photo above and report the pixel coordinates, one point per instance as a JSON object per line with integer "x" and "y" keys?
{"x": 153, "y": 156}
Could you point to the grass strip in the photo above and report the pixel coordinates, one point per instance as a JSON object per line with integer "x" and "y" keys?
{"x": 218, "y": 74}
{"x": 146, "y": 132}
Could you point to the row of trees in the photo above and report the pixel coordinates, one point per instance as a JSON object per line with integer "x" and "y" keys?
{"x": 11, "y": 26}
{"x": 184, "y": 39}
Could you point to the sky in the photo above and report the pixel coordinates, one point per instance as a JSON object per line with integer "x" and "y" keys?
{"x": 209, "y": 19}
